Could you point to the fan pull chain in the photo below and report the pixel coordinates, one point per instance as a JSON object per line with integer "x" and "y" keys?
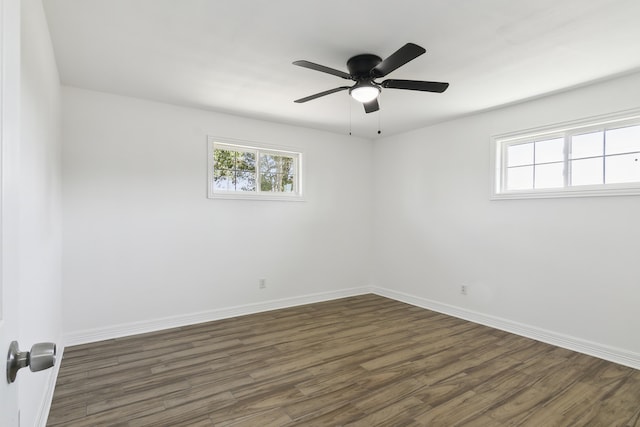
{"x": 350, "y": 104}
{"x": 379, "y": 114}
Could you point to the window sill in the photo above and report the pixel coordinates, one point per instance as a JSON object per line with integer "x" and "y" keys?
{"x": 269, "y": 197}
{"x": 593, "y": 191}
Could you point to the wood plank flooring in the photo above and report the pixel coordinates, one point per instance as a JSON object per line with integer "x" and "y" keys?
{"x": 360, "y": 361}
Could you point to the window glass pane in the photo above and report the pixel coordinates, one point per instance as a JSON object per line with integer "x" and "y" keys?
{"x": 245, "y": 160}
{"x": 223, "y": 159}
{"x": 232, "y": 159}
{"x": 277, "y": 182}
{"x": 276, "y": 164}
{"x": 234, "y": 170}
{"x": 267, "y": 163}
{"x": 223, "y": 180}
{"x": 622, "y": 168}
{"x": 550, "y": 150}
{"x": 623, "y": 140}
{"x": 245, "y": 181}
{"x": 520, "y": 178}
{"x": 586, "y": 171}
{"x": 277, "y": 173}
{"x": 520, "y": 154}
{"x": 289, "y": 184}
{"x": 549, "y": 175}
{"x": 267, "y": 182}
{"x": 587, "y": 145}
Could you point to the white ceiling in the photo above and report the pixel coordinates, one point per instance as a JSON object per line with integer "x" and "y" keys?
{"x": 235, "y": 56}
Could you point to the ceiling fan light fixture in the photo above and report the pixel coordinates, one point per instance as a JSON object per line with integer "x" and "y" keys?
{"x": 364, "y": 92}
{"x": 364, "y": 69}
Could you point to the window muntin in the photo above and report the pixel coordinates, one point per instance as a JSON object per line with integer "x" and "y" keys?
{"x": 244, "y": 171}
{"x": 596, "y": 157}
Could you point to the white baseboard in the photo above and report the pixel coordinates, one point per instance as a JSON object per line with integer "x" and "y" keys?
{"x": 612, "y": 354}
{"x": 126, "y": 329}
{"x": 616, "y": 355}
{"x": 47, "y": 397}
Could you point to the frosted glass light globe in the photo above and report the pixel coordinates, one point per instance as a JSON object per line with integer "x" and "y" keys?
{"x": 365, "y": 93}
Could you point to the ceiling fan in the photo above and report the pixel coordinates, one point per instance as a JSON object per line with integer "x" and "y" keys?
{"x": 365, "y": 68}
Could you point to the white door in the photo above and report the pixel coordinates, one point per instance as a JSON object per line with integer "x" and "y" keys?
{"x": 9, "y": 157}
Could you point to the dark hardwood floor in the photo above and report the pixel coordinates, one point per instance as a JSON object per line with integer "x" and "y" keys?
{"x": 361, "y": 361}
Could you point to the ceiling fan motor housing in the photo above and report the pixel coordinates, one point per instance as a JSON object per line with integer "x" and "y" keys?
{"x": 360, "y": 66}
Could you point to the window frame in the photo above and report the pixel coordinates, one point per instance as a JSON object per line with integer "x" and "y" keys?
{"x": 566, "y": 130}
{"x": 259, "y": 148}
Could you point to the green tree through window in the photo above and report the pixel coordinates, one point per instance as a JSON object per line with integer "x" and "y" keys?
{"x": 234, "y": 170}
{"x": 276, "y": 173}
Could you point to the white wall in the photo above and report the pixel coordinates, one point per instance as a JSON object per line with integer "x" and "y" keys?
{"x": 39, "y": 207}
{"x": 142, "y": 241}
{"x": 569, "y": 266}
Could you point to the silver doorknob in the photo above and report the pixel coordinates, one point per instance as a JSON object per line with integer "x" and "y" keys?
{"x": 42, "y": 356}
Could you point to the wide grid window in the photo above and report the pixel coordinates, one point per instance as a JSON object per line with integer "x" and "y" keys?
{"x": 253, "y": 172}
{"x": 586, "y": 159}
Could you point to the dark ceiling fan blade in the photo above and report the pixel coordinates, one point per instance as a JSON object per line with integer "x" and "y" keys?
{"x": 437, "y": 87}
{"x": 322, "y": 68}
{"x": 400, "y": 57}
{"x": 371, "y": 106}
{"x": 318, "y": 95}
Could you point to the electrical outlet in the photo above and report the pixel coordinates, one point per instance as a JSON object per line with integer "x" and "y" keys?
{"x": 463, "y": 289}
{"x": 262, "y": 283}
